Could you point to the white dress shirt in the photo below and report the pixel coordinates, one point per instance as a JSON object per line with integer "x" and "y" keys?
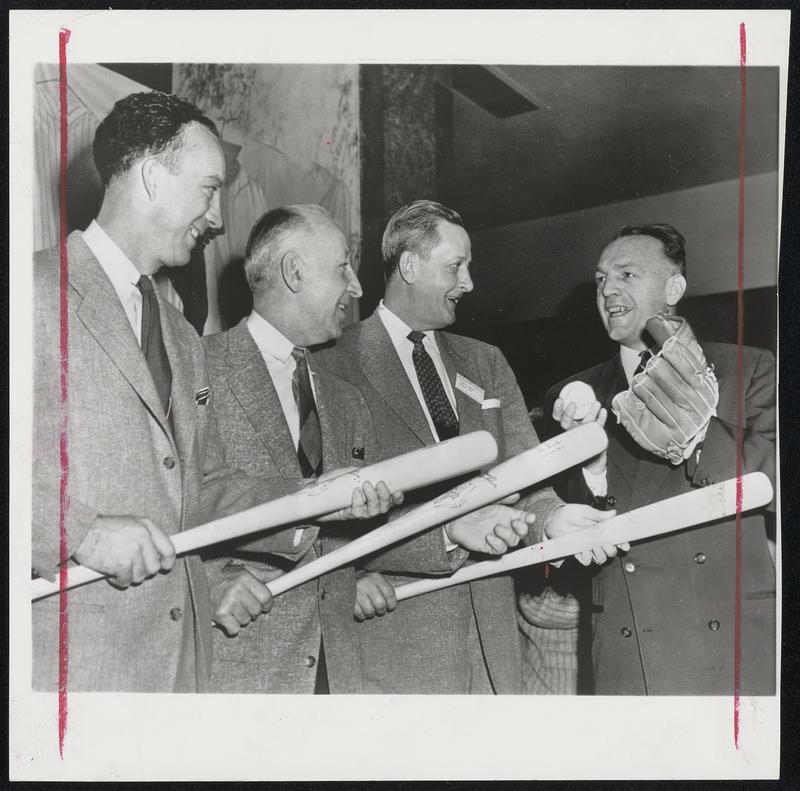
{"x": 398, "y": 332}
{"x": 276, "y": 351}
{"x": 120, "y": 271}
{"x": 630, "y": 359}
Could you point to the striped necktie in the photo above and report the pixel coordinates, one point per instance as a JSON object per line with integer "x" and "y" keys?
{"x": 439, "y": 408}
{"x": 309, "y": 448}
{"x": 155, "y": 353}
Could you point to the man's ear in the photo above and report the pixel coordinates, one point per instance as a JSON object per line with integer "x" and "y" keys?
{"x": 292, "y": 271}
{"x": 151, "y": 171}
{"x": 676, "y": 287}
{"x": 407, "y": 266}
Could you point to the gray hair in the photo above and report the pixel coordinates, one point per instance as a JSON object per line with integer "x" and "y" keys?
{"x": 270, "y": 237}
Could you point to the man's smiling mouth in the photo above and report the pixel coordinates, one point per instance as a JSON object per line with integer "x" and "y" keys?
{"x": 615, "y": 311}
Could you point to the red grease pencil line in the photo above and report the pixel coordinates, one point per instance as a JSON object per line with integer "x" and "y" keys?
{"x": 63, "y": 619}
{"x": 737, "y": 634}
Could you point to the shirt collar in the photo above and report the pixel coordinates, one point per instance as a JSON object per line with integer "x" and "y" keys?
{"x": 630, "y": 360}
{"x": 268, "y": 339}
{"x": 398, "y": 330}
{"x": 118, "y": 267}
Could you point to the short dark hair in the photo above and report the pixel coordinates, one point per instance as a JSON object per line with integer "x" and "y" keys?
{"x": 414, "y": 227}
{"x": 671, "y": 239}
{"x": 268, "y": 237}
{"x": 142, "y": 124}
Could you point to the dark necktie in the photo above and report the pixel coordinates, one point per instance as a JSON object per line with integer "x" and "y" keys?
{"x": 444, "y": 419}
{"x": 153, "y": 343}
{"x": 643, "y": 358}
{"x": 309, "y": 449}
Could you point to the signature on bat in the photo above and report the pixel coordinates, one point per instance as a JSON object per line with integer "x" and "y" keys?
{"x": 464, "y": 492}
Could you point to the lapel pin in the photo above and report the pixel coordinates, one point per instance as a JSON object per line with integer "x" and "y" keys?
{"x": 202, "y": 396}
{"x": 358, "y": 453}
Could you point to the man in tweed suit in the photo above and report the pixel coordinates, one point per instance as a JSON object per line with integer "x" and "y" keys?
{"x": 298, "y": 269}
{"x": 144, "y": 460}
{"x": 462, "y": 639}
{"x": 144, "y": 457}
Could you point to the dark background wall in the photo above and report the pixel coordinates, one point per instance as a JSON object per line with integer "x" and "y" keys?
{"x": 157, "y": 76}
{"x": 542, "y": 190}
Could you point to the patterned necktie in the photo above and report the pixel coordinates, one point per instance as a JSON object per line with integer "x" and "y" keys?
{"x": 439, "y": 408}
{"x": 153, "y": 343}
{"x": 309, "y": 449}
{"x": 643, "y": 358}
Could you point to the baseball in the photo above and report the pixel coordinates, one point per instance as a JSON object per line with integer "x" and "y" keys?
{"x": 580, "y": 394}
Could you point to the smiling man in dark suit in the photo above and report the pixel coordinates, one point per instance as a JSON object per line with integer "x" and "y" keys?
{"x": 664, "y": 617}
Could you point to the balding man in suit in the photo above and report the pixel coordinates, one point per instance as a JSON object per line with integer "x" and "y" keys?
{"x": 662, "y": 620}
{"x": 281, "y": 416}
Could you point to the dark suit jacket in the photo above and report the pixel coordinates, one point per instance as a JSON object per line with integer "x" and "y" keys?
{"x": 664, "y": 614}
{"x": 421, "y": 646}
{"x": 123, "y": 459}
{"x": 277, "y": 652}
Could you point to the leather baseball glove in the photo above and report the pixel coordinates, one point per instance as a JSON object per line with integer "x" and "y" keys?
{"x": 671, "y": 402}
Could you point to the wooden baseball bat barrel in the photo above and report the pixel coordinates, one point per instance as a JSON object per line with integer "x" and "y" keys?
{"x": 666, "y": 516}
{"x": 519, "y": 472}
{"x": 406, "y": 472}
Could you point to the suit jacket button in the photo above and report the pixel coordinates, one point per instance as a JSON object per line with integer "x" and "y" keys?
{"x": 630, "y": 567}
{"x": 176, "y": 613}
{"x": 322, "y": 594}
{"x": 626, "y": 631}
{"x": 713, "y": 625}
{"x": 168, "y": 462}
{"x": 310, "y": 661}
{"x": 700, "y": 558}
{"x": 611, "y": 501}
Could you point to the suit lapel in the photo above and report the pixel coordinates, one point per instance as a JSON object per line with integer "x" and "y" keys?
{"x": 383, "y": 370}
{"x": 252, "y": 387}
{"x": 100, "y": 312}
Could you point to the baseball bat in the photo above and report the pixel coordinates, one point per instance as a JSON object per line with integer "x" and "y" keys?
{"x": 408, "y": 471}
{"x": 532, "y": 466}
{"x": 666, "y": 516}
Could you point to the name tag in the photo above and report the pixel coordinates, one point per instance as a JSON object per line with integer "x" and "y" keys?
{"x": 469, "y": 389}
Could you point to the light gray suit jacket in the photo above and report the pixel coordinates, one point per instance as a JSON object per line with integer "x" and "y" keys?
{"x": 421, "y": 646}
{"x": 123, "y": 459}
{"x": 276, "y": 652}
